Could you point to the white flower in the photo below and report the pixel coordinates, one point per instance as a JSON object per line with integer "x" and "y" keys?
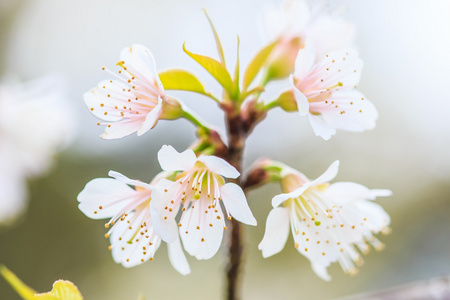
{"x": 296, "y": 19}
{"x": 136, "y": 100}
{"x": 132, "y": 235}
{"x": 199, "y": 189}
{"x": 325, "y": 91}
{"x": 35, "y": 123}
{"x": 329, "y": 223}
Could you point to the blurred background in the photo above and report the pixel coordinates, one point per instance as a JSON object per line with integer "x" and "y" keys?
{"x": 405, "y": 45}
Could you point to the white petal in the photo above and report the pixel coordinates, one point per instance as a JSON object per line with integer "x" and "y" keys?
{"x": 219, "y": 166}
{"x": 167, "y": 229}
{"x": 133, "y": 240}
{"x": 321, "y": 271}
{"x": 120, "y": 177}
{"x": 189, "y": 233}
{"x": 321, "y": 128}
{"x": 151, "y": 119}
{"x": 328, "y": 175}
{"x": 377, "y": 217}
{"x": 347, "y": 192}
{"x": 277, "y": 231}
{"x": 380, "y": 193}
{"x": 171, "y": 160}
{"x": 278, "y": 199}
{"x": 162, "y": 195}
{"x": 360, "y": 114}
{"x": 120, "y": 129}
{"x": 300, "y": 98}
{"x": 99, "y": 103}
{"x": 110, "y": 194}
{"x": 212, "y": 235}
{"x": 177, "y": 257}
{"x": 236, "y": 204}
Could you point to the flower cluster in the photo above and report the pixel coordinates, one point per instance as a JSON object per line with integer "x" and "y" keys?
{"x": 189, "y": 204}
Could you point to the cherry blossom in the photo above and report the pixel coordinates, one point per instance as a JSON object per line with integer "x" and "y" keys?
{"x": 329, "y": 223}
{"x": 325, "y": 91}
{"x": 127, "y": 203}
{"x": 198, "y": 190}
{"x": 135, "y": 100}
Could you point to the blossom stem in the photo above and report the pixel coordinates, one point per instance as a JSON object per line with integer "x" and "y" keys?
{"x": 236, "y": 137}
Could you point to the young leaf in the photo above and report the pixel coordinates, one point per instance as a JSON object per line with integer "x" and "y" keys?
{"x": 62, "y": 289}
{"x": 178, "y": 79}
{"x": 257, "y": 63}
{"x": 216, "y": 37}
{"x": 215, "y": 68}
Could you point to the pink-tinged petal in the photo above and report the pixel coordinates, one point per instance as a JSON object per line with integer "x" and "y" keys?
{"x": 177, "y": 257}
{"x": 236, "y": 204}
{"x": 328, "y": 175}
{"x": 171, "y": 160}
{"x": 109, "y": 194}
{"x": 120, "y": 177}
{"x": 277, "y": 231}
{"x": 300, "y": 98}
{"x": 167, "y": 229}
{"x": 141, "y": 63}
{"x": 219, "y": 166}
{"x": 321, "y": 271}
{"x": 120, "y": 129}
{"x": 343, "y": 66}
{"x": 306, "y": 58}
{"x": 151, "y": 119}
{"x": 321, "y": 128}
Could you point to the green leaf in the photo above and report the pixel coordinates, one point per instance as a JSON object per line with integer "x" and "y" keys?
{"x": 257, "y": 63}
{"x": 215, "y": 68}
{"x": 178, "y": 79}
{"x": 216, "y": 37}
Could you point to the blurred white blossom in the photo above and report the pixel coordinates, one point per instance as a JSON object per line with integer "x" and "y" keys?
{"x": 298, "y": 19}
{"x": 35, "y": 123}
